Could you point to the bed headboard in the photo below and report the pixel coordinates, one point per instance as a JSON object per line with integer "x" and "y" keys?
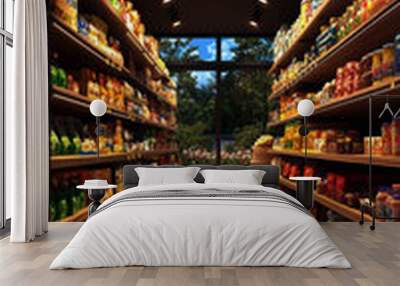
{"x": 271, "y": 177}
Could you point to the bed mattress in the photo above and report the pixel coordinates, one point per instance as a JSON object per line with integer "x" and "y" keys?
{"x": 201, "y": 225}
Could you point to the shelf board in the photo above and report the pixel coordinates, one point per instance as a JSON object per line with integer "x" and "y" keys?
{"x": 80, "y": 215}
{"x": 69, "y": 161}
{"x": 384, "y": 25}
{"x": 65, "y": 96}
{"x": 303, "y": 41}
{"x": 72, "y": 161}
{"x": 387, "y": 86}
{"x": 79, "y": 45}
{"x": 338, "y": 207}
{"x": 361, "y": 159}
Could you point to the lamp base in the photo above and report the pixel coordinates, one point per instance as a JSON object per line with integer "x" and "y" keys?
{"x": 95, "y": 195}
{"x": 305, "y": 193}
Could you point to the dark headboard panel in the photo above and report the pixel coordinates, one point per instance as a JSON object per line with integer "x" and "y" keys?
{"x": 271, "y": 178}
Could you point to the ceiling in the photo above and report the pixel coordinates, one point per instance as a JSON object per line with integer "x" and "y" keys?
{"x": 216, "y": 17}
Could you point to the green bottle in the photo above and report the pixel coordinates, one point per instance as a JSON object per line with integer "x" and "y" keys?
{"x": 55, "y": 145}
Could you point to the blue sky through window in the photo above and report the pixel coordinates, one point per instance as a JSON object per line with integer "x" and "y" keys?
{"x": 206, "y": 48}
{"x": 204, "y": 78}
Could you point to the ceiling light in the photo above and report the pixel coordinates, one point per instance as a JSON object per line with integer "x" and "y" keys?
{"x": 176, "y": 23}
{"x": 253, "y": 23}
{"x": 165, "y": 2}
{"x": 264, "y": 2}
{"x": 174, "y": 15}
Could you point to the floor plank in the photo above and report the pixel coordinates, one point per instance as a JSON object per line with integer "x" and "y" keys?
{"x": 375, "y": 257}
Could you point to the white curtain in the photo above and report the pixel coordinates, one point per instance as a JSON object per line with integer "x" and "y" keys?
{"x": 27, "y": 147}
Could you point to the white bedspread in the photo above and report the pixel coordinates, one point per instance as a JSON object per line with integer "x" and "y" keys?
{"x": 202, "y": 232}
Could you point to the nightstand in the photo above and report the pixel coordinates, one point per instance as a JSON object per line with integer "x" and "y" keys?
{"x": 96, "y": 190}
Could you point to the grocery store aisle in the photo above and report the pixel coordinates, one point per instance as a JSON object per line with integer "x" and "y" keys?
{"x": 375, "y": 257}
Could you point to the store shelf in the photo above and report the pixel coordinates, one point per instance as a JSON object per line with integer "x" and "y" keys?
{"x": 142, "y": 55}
{"x": 80, "y": 46}
{"x": 383, "y": 26}
{"x": 339, "y": 104}
{"x": 72, "y": 161}
{"x": 304, "y": 40}
{"x": 75, "y": 100}
{"x": 337, "y": 207}
{"x": 80, "y": 215}
{"x": 69, "y": 161}
{"x": 362, "y": 159}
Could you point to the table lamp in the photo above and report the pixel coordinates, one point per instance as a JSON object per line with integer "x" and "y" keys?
{"x": 96, "y": 188}
{"x": 305, "y": 108}
{"x": 98, "y": 108}
{"x": 305, "y": 185}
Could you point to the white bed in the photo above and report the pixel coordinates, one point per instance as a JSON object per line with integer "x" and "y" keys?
{"x": 201, "y": 231}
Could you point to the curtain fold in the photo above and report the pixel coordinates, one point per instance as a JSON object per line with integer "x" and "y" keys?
{"x": 27, "y": 142}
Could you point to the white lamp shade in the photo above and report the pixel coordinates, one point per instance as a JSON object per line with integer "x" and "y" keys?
{"x": 98, "y": 107}
{"x": 305, "y": 107}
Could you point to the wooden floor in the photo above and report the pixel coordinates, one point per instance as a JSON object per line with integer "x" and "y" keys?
{"x": 375, "y": 257}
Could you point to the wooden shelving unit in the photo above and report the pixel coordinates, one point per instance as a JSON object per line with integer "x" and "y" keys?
{"x": 72, "y": 161}
{"x": 337, "y": 207}
{"x": 71, "y": 50}
{"x": 380, "y": 29}
{"x": 383, "y": 26}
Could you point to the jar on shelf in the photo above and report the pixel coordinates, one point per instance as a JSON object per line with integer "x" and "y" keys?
{"x": 388, "y": 60}
{"x": 396, "y": 137}
{"x": 377, "y": 65}
{"x": 366, "y": 70}
{"x": 397, "y": 48}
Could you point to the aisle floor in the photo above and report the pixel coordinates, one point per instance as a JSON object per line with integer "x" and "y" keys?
{"x": 375, "y": 257}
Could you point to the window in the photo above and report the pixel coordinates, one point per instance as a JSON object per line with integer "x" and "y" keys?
{"x": 222, "y": 84}
{"x": 6, "y": 66}
{"x": 189, "y": 49}
{"x": 250, "y": 50}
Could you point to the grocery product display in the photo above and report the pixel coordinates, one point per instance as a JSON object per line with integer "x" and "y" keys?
{"x": 339, "y": 141}
{"x": 69, "y": 136}
{"x": 286, "y": 36}
{"x": 343, "y": 56}
{"x": 332, "y": 33}
{"x": 343, "y": 187}
{"x": 100, "y": 50}
{"x": 203, "y": 156}
{"x": 117, "y": 94}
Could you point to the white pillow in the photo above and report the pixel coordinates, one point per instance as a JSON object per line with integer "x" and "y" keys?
{"x": 247, "y": 177}
{"x": 166, "y": 176}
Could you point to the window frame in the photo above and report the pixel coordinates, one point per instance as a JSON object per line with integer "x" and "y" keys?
{"x": 6, "y": 39}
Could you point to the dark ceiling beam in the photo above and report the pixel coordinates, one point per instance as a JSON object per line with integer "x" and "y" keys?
{"x": 212, "y": 66}
{"x": 207, "y": 35}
